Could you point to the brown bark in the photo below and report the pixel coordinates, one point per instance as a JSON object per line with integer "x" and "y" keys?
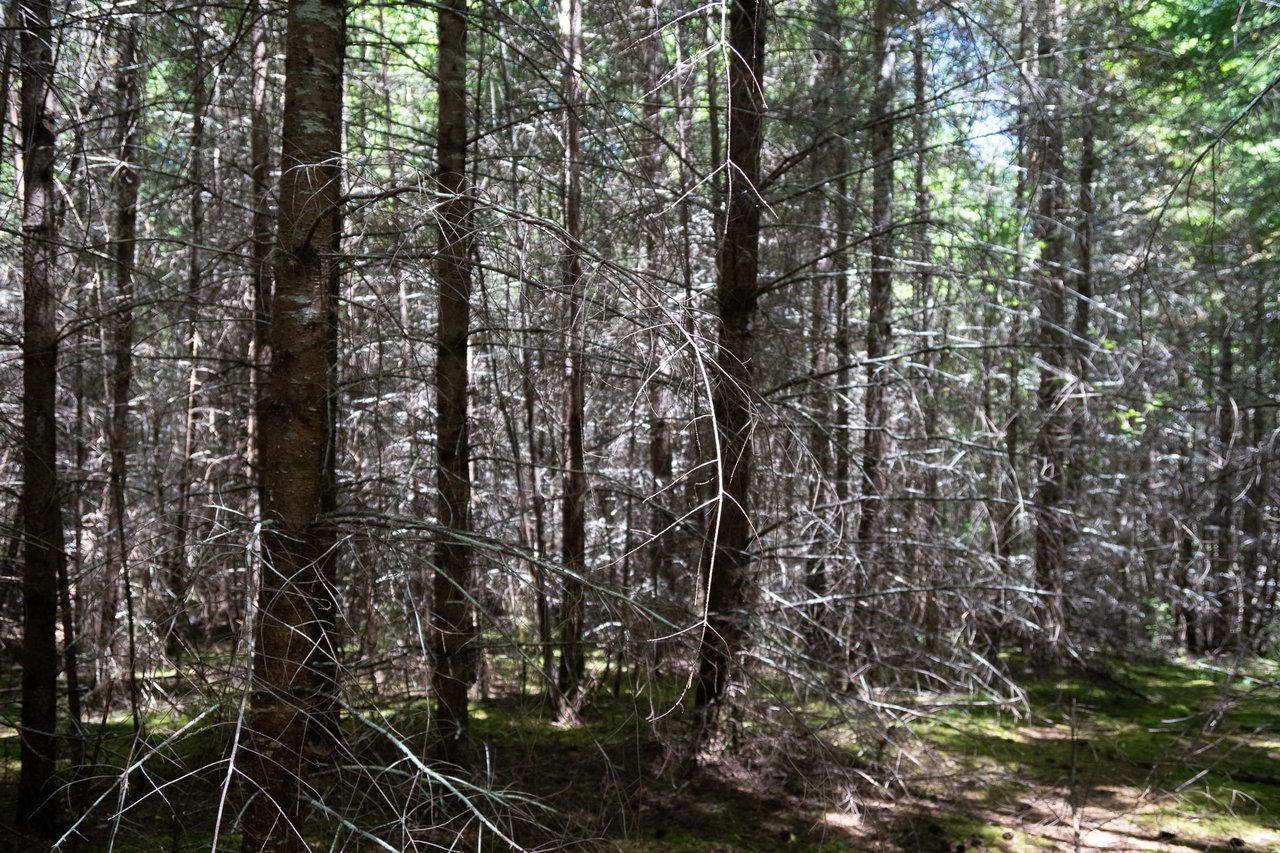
{"x": 293, "y": 656}
{"x": 180, "y": 563}
{"x": 1085, "y": 214}
{"x": 124, "y": 251}
{"x": 925, "y": 561}
{"x": 574, "y": 480}
{"x": 453, "y": 627}
{"x": 1004, "y": 542}
{"x": 1223, "y": 577}
{"x": 827, "y": 437}
{"x": 43, "y": 554}
{"x": 880, "y": 288}
{"x": 842, "y": 344}
{"x": 1053, "y": 344}
{"x": 658, "y": 388}
{"x": 726, "y": 568}
{"x": 529, "y": 473}
{"x": 1253, "y": 570}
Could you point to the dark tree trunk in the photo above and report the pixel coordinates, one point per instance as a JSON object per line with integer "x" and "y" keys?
{"x": 1084, "y": 222}
{"x": 880, "y": 289}
{"x": 1223, "y": 578}
{"x": 574, "y": 538}
{"x": 536, "y": 538}
{"x": 180, "y": 563}
{"x": 124, "y": 251}
{"x": 658, "y": 394}
{"x": 453, "y": 628}
{"x": 1053, "y": 343}
{"x": 829, "y": 339}
{"x": 726, "y": 569}
{"x": 41, "y": 508}
{"x": 925, "y": 561}
{"x": 1005, "y": 540}
{"x": 293, "y": 657}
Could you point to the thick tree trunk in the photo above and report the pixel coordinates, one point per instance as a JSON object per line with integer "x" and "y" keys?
{"x": 293, "y": 656}
{"x": 574, "y": 537}
{"x": 41, "y": 509}
{"x": 726, "y": 569}
{"x": 453, "y": 627}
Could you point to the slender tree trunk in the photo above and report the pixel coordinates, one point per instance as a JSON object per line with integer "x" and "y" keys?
{"x": 880, "y": 288}
{"x": 816, "y": 575}
{"x": 180, "y": 563}
{"x": 828, "y": 337}
{"x": 533, "y": 515}
{"x": 538, "y": 535}
{"x": 124, "y": 251}
{"x": 573, "y": 515}
{"x": 685, "y": 151}
{"x": 1256, "y": 570}
{"x": 1253, "y": 571}
{"x": 1006, "y": 527}
{"x": 1223, "y": 576}
{"x": 262, "y": 237}
{"x": 43, "y": 554}
{"x": 1085, "y": 214}
{"x": 1053, "y": 343}
{"x": 726, "y": 569}
{"x": 842, "y": 344}
{"x": 453, "y": 630}
{"x": 294, "y": 653}
{"x": 658, "y": 388}
{"x": 927, "y": 559}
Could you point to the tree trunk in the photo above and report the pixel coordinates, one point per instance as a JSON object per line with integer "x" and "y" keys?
{"x": 925, "y": 561}
{"x": 124, "y": 251}
{"x": 574, "y": 539}
{"x": 38, "y": 795}
{"x": 293, "y": 656}
{"x": 880, "y": 289}
{"x": 1054, "y": 343}
{"x": 829, "y": 338}
{"x": 261, "y": 240}
{"x": 658, "y": 396}
{"x": 453, "y": 627}
{"x": 726, "y": 568}
{"x": 1085, "y": 217}
{"x": 180, "y": 563}
{"x": 1223, "y": 577}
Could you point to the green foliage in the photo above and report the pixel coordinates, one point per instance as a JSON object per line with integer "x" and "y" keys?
{"x": 1191, "y": 744}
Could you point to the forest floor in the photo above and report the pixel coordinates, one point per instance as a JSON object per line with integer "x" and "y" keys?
{"x": 1158, "y": 757}
{"x": 1180, "y": 757}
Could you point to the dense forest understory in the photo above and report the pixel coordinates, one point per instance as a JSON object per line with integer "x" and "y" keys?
{"x": 1157, "y": 756}
{"x": 840, "y": 424}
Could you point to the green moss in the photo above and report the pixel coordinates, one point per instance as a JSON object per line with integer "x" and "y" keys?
{"x": 1197, "y": 740}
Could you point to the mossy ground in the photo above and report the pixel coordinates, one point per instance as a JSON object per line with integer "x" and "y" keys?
{"x": 1152, "y": 756}
{"x": 1161, "y": 756}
